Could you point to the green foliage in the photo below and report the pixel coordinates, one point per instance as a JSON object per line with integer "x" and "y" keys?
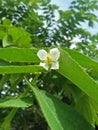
{"x": 12, "y": 36}
{"x": 19, "y": 55}
{"x": 38, "y": 18}
{"x": 61, "y": 99}
{"x": 72, "y": 70}
{"x": 58, "y": 114}
{"x": 15, "y": 102}
{"x": 84, "y": 82}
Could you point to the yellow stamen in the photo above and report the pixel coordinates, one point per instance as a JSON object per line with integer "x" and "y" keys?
{"x": 49, "y": 59}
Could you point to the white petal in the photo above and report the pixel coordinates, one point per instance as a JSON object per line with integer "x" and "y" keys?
{"x": 55, "y": 65}
{"x": 55, "y": 53}
{"x": 44, "y": 65}
{"x": 42, "y": 54}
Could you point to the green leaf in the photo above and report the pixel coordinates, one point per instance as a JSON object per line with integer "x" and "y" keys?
{"x": 72, "y": 70}
{"x": 84, "y": 104}
{"x": 7, "y": 22}
{"x": 4, "y": 63}
{"x": 20, "y": 69}
{"x": 82, "y": 59}
{"x": 16, "y": 102}
{"x": 19, "y": 55}
{"x": 15, "y": 79}
{"x": 58, "y": 115}
{"x": 2, "y": 34}
{"x": 86, "y": 107}
{"x": 90, "y": 65}
{"x": 7, "y": 41}
{"x": 20, "y": 37}
{"x": 7, "y": 122}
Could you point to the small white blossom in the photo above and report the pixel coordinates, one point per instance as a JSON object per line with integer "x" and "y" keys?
{"x": 49, "y": 60}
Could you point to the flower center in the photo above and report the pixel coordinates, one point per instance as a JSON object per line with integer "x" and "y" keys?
{"x": 49, "y": 59}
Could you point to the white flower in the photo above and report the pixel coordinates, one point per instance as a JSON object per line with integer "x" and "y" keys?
{"x": 49, "y": 60}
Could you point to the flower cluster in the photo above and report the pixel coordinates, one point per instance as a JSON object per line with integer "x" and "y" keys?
{"x": 49, "y": 60}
